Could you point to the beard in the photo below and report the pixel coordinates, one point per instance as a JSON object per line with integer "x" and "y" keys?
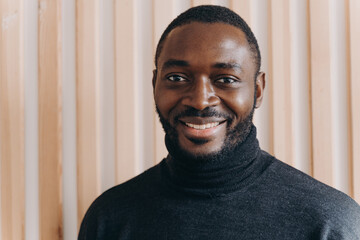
{"x": 235, "y": 136}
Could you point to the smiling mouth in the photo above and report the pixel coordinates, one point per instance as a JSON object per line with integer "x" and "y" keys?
{"x": 202, "y": 126}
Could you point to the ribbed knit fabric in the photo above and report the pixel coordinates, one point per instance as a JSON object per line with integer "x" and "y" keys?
{"x": 215, "y": 178}
{"x": 247, "y": 195}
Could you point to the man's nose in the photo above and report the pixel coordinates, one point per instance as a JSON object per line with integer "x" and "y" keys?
{"x": 201, "y": 95}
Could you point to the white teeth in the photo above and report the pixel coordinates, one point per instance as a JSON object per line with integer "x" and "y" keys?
{"x": 202, "y": 126}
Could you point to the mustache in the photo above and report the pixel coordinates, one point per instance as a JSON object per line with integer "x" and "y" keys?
{"x": 207, "y": 112}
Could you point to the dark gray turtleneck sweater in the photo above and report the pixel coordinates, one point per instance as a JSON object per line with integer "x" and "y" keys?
{"x": 248, "y": 195}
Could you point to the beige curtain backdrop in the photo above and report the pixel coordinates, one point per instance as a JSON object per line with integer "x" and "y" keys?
{"x": 77, "y": 113}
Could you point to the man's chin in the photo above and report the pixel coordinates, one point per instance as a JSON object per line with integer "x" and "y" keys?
{"x": 199, "y": 153}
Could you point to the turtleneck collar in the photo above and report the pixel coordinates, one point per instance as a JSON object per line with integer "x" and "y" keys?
{"x": 215, "y": 178}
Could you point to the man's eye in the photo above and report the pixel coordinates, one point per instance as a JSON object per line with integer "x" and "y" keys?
{"x": 226, "y": 80}
{"x": 176, "y": 78}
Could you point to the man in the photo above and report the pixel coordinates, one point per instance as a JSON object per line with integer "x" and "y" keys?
{"x": 216, "y": 183}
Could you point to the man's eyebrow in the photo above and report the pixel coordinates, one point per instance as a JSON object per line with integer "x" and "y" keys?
{"x": 229, "y": 65}
{"x": 175, "y": 63}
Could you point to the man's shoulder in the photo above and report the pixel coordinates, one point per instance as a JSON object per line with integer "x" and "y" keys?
{"x": 127, "y": 193}
{"x": 297, "y": 182}
{"x": 120, "y": 203}
{"x": 134, "y": 187}
{"x": 313, "y": 197}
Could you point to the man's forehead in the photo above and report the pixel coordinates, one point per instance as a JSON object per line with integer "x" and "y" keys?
{"x": 222, "y": 42}
{"x": 197, "y": 30}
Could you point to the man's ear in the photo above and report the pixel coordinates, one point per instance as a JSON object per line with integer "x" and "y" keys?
{"x": 260, "y": 86}
{"x": 154, "y": 78}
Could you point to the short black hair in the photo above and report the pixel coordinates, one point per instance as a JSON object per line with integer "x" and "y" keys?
{"x": 212, "y": 14}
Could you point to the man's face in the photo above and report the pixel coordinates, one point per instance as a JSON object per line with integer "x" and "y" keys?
{"x": 204, "y": 87}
